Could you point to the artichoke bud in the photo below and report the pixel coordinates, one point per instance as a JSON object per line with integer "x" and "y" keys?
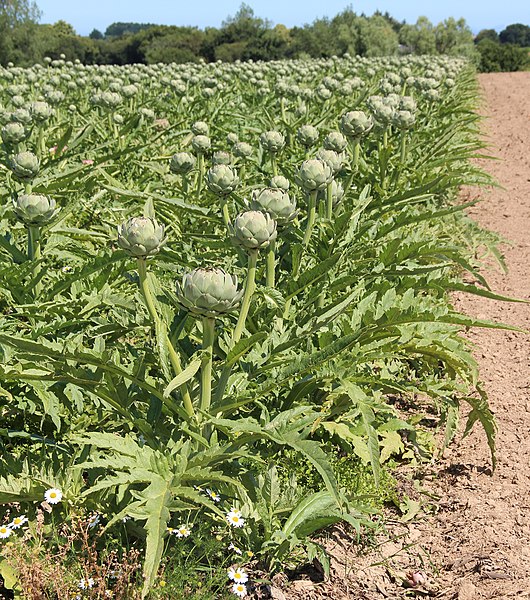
{"x": 355, "y": 124}
{"x": 141, "y": 236}
{"x": 281, "y": 182}
{"x": 232, "y": 138}
{"x": 242, "y": 150}
{"x": 13, "y": 133}
{"x": 221, "y": 158}
{"x": 314, "y": 175}
{"x": 222, "y": 179}
{"x": 34, "y": 209}
{"x": 182, "y": 163}
{"x": 208, "y": 292}
{"x": 201, "y": 143}
{"x": 335, "y": 141}
{"x": 403, "y": 119}
{"x": 200, "y": 128}
{"x": 273, "y": 141}
{"x": 253, "y": 230}
{"x": 307, "y": 135}
{"x": 276, "y": 202}
{"x": 41, "y": 111}
{"x": 25, "y": 165}
{"x": 333, "y": 159}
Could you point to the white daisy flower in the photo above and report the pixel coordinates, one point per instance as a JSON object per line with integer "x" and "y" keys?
{"x": 182, "y": 531}
{"x": 235, "y": 519}
{"x": 5, "y": 532}
{"x": 213, "y": 495}
{"x": 237, "y": 575}
{"x": 239, "y": 589}
{"x": 18, "y": 522}
{"x": 53, "y": 496}
{"x": 235, "y": 549}
{"x": 86, "y": 584}
{"x": 93, "y": 520}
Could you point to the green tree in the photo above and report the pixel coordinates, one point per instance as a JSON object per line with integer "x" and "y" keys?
{"x": 15, "y": 14}
{"x": 419, "y": 38}
{"x": 517, "y": 34}
{"x": 487, "y": 34}
{"x": 501, "y": 57}
{"x": 455, "y": 38}
{"x": 377, "y": 38}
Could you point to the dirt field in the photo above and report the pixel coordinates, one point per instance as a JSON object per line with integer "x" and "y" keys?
{"x": 476, "y": 545}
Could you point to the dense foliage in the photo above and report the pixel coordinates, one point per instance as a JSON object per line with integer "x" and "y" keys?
{"x": 216, "y": 278}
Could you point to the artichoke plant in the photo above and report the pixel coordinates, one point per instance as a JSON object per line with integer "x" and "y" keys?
{"x": 253, "y": 230}
{"x": 222, "y": 179}
{"x": 221, "y": 157}
{"x": 208, "y": 292}
{"x": 307, "y": 135}
{"x": 200, "y": 128}
{"x": 141, "y": 236}
{"x": 201, "y": 144}
{"x": 335, "y": 141}
{"x": 13, "y": 133}
{"x": 182, "y": 163}
{"x": 281, "y": 182}
{"x": 25, "y": 165}
{"x": 314, "y": 175}
{"x": 333, "y": 159}
{"x": 355, "y": 124}
{"x": 242, "y": 150}
{"x": 276, "y": 202}
{"x": 34, "y": 209}
{"x": 273, "y": 141}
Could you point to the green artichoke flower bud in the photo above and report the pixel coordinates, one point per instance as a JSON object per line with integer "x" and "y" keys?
{"x": 232, "y": 138}
{"x": 141, "y": 236}
{"x": 25, "y": 165}
{"x": 21, "y": 115}
{"x": 314, "y": 175}
{"x": 383, "y": 114}
{"x": 333, "y": 159}
{"x": 281, "y": 182}
{"x": 222, "y": 179}
{"x": 242, "y": 150}
{"x": 273, "y": 141}
{"x": 34, "y": 209}
{"x": 275, "y": 202}
{"x": 201, "y": 144}
{"x": 200, "y": 128}
{"x": 221, "y": 158}
{"x": 182, "y": 163}
{"x": 13, "y": 133}
{"x": 403, "y": 119}
{"x": 41, "y": 111}
{"x": 208, "y": 292}
{"x": 253, "y": 230}
{"x": 307, "y": 135}
{"x": 337, "y": 192}
{"x": 335, "y": 141}
{"x": 355, "y": 124}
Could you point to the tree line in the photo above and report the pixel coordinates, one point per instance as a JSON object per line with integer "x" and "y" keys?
{"x": 245, "y": 36}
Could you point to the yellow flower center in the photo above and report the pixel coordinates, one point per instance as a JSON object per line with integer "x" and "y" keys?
{"x": 53, "y": 495}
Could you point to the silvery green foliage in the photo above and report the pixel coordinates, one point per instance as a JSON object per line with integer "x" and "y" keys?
{"x": 307, "y": 135}
{"x": 253, "y": 230}
{"x": 355, "y": 124}
{"x": 25, "y": 165}
{"x": 40, "y": 111}
{"x": 335, "y": 141}
{"x": 314, "y": 175}
{"x": 14, "y": 133}
{"x": 222, "y": 179}
{"x": 281, "y": 182}
{"x": 272, "y": 141}
{"x": 276, "y": 202}
{"x": 333, "y": 159}
{"x": 141, "y": 236}
{"x": 201, "y": 143}
{"x": 34, "y": 209}
{"x": 403, "y": 119}
{"x": 208, "y": 291}
{"x": 182, "y": 163}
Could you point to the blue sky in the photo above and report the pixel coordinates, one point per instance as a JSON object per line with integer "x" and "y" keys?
{"x": 89, "y": 14}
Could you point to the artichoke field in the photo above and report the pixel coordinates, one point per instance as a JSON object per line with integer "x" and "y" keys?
{"x": 204, "y": 268}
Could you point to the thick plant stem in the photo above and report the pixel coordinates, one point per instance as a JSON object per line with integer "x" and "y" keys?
{"x": 355, "y": 154}
{"x": 271, "y": 265}
{"x": 200, "y": 174}
{"x": 160, "y": 328}
{"x": 403, "y": 153}
{"x": 250, "y": 286}
{"x": 184, "y": 184}
{"x": 33, "y": 243}
{"x": 329, "y": 201}
{"x": 311, "y": 216}
{"x": 208, "y": 336}
{"x": 226, "y": 212}
{"x": 274, "y": 164}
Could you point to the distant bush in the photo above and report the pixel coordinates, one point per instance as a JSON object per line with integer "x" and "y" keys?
{"x": 501, "y": 57}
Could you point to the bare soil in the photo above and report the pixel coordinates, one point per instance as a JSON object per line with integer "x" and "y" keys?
{"x": 475, "y": 544}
